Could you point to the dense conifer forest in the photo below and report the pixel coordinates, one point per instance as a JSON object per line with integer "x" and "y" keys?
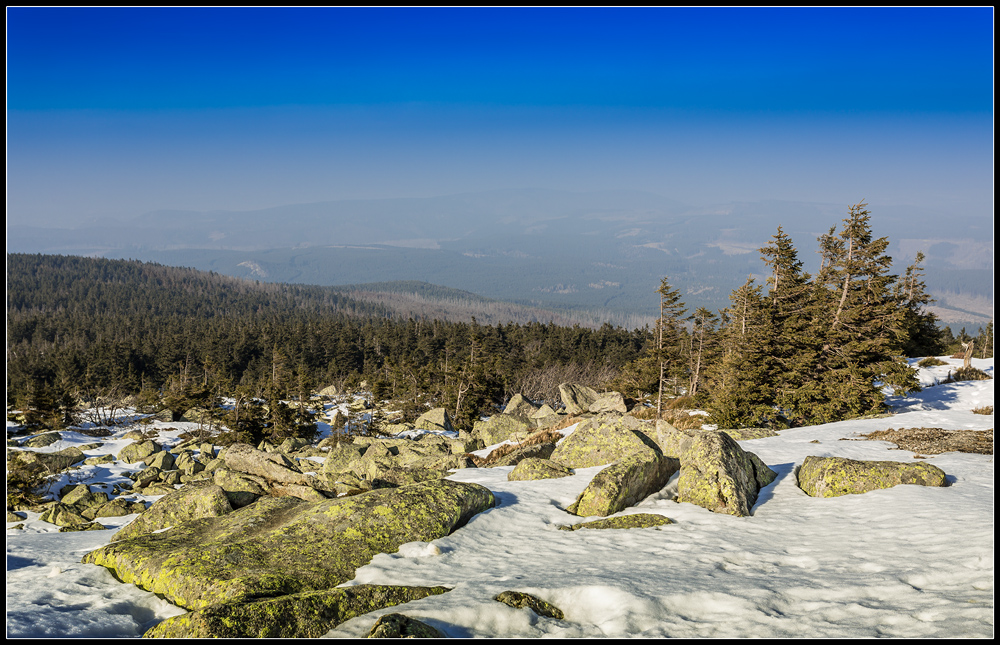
{"x": 809, "y": 349}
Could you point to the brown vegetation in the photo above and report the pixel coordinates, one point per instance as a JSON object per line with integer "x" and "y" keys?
{"x": 545, "y": 436}
{"x": 934, "y": 441}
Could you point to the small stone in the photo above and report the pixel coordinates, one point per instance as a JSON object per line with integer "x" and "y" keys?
{"x": 400, "y": 626}
{"x": 520, "y": 600}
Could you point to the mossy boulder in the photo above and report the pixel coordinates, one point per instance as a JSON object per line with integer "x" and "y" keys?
{"x": 42, "y": 440}
{"x": 600, "y": 440}
{"x": 502, "y": 427}
{"x": 64, "y": 515}
{"x": 436, "y": 420}
{"x": 309, "y": 614}
{"x": 191, "y": 502}
{"x": 400, "y": 626}
{"x": 534, "y": 451}
{"x": 577, "y": 398}
{"x": 53, "y": 462}
{"x": 835, "y": 476}
{"x": 533, "y": 468}
{"x": 634, "y": 521}
{"x": 717, "y": 474}
{"x": 520, "y": 406}
{"x": 97, "y": 461}
{"x": 242, "y": 489}
{"x": 283, "y": 545}
{"x": 609, "y": 402}
{"x": 162, "y": 460}
{"x": 138, "y": 451}
{"x": 625, "y": 483}
{"x": 521, "y": 600}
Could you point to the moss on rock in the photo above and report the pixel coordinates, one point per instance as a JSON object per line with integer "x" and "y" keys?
{"x": 835, "y": 476}
{"x": 717, "y": 474}
{"x": 533, "y": 468}
{"x": 634, "y": 521}
{"x": 192, "y": 502}
{"x": 626, "y": 483}
{"x": 521, "y": 600}
{"x": 280, "y": 546}
{"x": 309, "y": 614}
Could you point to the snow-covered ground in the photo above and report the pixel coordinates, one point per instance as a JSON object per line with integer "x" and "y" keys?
{"x": 909, "y": 561}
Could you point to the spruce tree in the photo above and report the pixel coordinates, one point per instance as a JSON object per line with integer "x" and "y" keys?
{"x": 793, "y": 313}
{"x": 669, "y": 336}
{"x": 860, "y": 324}
{"x": 742, "y": 390}
{"x": 922, "y": 335}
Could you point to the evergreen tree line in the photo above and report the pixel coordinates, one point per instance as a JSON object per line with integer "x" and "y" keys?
{"x": 79, "y": 328}
{"x": 809, "y": 349}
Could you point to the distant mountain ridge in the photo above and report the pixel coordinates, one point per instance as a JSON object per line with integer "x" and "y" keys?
{"x": 537, "y": 247}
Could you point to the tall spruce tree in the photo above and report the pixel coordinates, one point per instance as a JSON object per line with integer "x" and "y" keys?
{"x": 742, "y": 389}
{"x": 922, "y": 335}
{"x": 793, "y": 313}
{"x": 669, "y": 336}
{"x": 860, "y": 325}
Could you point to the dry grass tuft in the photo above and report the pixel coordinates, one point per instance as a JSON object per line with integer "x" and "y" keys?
{"x": 967, "y": 374}
{"x": 931, "y": 361}
{"x": 986, "y": 409}
{"x": 545, "y": 436}
{"x": 934, "y": 441}
{"x": 680, "y": 418}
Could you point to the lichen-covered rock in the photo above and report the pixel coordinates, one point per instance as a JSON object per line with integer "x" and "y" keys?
{"x": 96, "y": 461}
{"x": 532, "y": 468}
{"x": 577, "y": 398}
{"x": 53, "y": 462}
{"x": 717, "y": 474}
{"x": 242, "y": 489}
{"x": 609, "y": 402}
{"x": 598, "y": 441}
{"x": 625, "y": 483}
{"x": 635, "y": 521}
{"x": 42, "y": 440}
{"x": 162, "y": 460}
{"x": 272, "y": 466}
{"x": 502, "y": 427}
{"x": 534, "y": 451}
{"x": 400, "y": 626}
{"x": 282, "y": 545}
{"x": 835, "y": 476}
{"x": 192, "y": 502}
{"x": 82, "y": 497}
{"x": 310, "y": 614}
{"x": 138, "y": 451}
{"x": 520, "y": 406}
{"x": 63, "y": 515}
{"x": 521, "y": 600}
{"x": 466, "y": 442}
{"x": 341, "y": 456}
{"x": 435, "y": 420}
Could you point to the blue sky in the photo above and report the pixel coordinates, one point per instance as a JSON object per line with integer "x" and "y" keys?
{"x": 120, "y": 111}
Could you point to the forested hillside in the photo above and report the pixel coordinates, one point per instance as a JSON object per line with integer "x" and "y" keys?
{"x": 79, "y": 327}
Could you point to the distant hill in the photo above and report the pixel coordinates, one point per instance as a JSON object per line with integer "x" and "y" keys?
{"x": 581, "y": 252}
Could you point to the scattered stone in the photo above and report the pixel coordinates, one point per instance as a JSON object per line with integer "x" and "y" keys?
{"x": 42, "y": 440}
{"x": 532, "y": 468}
{"x": 309, "y": 614}
{"x": 92, "y": 526}
{"x": 577, "y": 398}
{"x": 625, "y": 483}
{"x": 599, "y": 441}
{"x": 609, "y": 402}
{"x": 138, "y": 450}
{"x": 192, "y": 502}
{"x": 63, "y": 515}
{"x": 520, "y": 406}
{"x": 16, "y": 517}
{"x": 53, "y": 462}
{"x": 502, "y": 427}
{"x": 635, "y": 521}
{"x": 434, "y": 420}
{"x": 162, "y": 460}
{"x": 400, "y": 626}
{"x": 520, "y": 600}
{"x": 96, "y": 461}
{"x": 835, "y": 476}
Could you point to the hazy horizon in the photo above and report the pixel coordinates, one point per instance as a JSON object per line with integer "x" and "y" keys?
{"x": 118, "y": 112}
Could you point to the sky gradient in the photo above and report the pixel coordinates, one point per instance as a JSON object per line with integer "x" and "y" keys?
{"x": 121, "y": 111}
